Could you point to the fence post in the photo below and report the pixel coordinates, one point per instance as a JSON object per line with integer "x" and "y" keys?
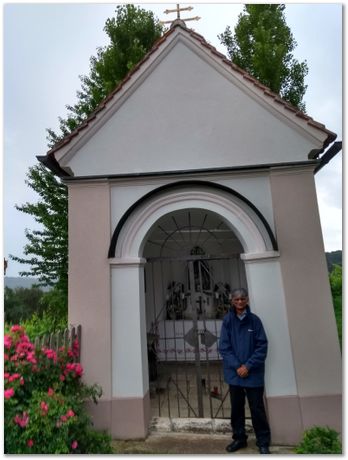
{"x": 58, "y": 339}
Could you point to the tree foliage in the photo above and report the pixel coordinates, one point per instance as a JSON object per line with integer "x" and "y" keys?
{"x": 132, "y": 33}
{"x": 336, "y": 280}
{"x": 333, "y": 258}
{"x": 38, "y": 311}
{"x": 21, "y": 303}
{"x": 335, "y": 277}
{"x": 262, "y": 44}
{"x": 47, "y": 248}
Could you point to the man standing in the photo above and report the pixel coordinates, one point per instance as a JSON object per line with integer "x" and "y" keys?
{"x": 243, "y": 347}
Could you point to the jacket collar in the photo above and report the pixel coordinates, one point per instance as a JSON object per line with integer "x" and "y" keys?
{"x": 247, "y": 311}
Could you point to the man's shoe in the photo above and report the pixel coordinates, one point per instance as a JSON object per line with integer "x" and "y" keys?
{"x": 236, "y": 445}
{"x": 264, "y": 450}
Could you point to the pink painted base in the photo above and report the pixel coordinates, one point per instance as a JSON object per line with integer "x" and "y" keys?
{"x": 122, "y": 418}
{"x": 289, "y": 416}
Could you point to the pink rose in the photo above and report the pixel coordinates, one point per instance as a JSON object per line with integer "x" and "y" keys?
{"x": 51, "y": 354}
{"x": 31, "y": 357}
{"x": 24, "y": 347}
{"x": 78, "y": 370}
{"x": 74, "y": 367}
{"x": 30, "y": 443}
{"x": 44, "y": 407}
{"x": 7, "y": 341}
{"x": 70, "y": 413}
{"x": 50, "y": 392}
{"x": 22, "y": 421}
{"x": 74, "y": 444}
{"x": 14, "y": 377}
{"x": 63, "y": 418}
{"x": 9, "y": 393}
{"x": 76, "y": 346}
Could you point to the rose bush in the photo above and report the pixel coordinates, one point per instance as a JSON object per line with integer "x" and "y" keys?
{"x": 44, "y": 400}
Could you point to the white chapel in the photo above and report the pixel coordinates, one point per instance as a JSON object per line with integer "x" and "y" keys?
{"x": 192, "y": 179}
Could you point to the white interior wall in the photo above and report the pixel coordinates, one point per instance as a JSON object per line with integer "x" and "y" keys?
{"x": 159, "y": 274}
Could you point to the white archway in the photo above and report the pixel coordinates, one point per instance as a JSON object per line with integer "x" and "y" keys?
{"x": 130, "y": 381}
{"x": 242, "y": 219}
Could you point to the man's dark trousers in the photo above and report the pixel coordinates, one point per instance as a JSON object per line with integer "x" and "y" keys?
{"x": 257, "y": 411}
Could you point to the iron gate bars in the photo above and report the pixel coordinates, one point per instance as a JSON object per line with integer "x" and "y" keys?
{"x": 188, "y": 380}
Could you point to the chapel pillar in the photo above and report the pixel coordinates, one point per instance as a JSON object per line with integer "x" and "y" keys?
{"x": 89, "y": 287}
{"x": 130, "y": 380}
{"x": 267, "y": 301}
{"x": 309, "y": 308}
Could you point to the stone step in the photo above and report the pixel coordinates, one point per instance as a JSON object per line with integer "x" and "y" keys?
{"x": 194, "y": 425}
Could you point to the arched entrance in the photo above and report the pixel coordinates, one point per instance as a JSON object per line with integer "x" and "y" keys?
{"x": 193, "y": 264}
{"x": 253, "y": 246}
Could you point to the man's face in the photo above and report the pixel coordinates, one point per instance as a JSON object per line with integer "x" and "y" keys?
{"x": 240, "y": 303}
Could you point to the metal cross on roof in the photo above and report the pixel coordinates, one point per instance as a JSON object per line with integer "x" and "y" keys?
{"x": 177, "y": 11}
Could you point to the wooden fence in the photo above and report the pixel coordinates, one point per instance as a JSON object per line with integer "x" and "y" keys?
{"x": 59, "y": 339}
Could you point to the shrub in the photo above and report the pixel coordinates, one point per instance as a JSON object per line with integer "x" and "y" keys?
{"x": 336, "y": 290}
{"x": 44, "y": 400}
{"x": 20, "y": 303}
{"x": 39, "y": 325}
{"x": 336, "y": 280}
{"x": 320, "y": 440}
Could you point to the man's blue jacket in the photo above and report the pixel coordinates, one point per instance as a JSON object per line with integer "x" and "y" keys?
{"x": 243, "y": 342}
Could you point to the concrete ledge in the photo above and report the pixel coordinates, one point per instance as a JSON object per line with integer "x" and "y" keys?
{"x": 161, "y": 425}
{"x": 193, "y": 425}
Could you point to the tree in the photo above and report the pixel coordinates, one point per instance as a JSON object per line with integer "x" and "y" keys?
{"x": 47, "y": 249}
{"x": 336, "y": 280}
{"x": 262, "y": 45}
{"x": 335, "y": 277}
{"x": 132, "y": 34}
{"x": 333, "y": 258}
{"x": 21, "y": 303}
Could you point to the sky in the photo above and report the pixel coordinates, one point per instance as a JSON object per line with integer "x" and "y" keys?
{"x": 46, "y": 46}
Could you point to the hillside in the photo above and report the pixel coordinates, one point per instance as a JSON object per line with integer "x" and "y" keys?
{"x": 14, "y": 282}
{"x": 333, "y": 258}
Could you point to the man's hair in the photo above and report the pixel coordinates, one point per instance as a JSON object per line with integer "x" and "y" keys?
{"x": 239, "y": 292}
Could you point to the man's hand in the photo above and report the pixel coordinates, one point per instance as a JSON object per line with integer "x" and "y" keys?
{"x": 242, "y": 371}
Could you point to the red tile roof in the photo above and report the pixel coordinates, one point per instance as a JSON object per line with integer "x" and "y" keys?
{"x": 266, "y": 91}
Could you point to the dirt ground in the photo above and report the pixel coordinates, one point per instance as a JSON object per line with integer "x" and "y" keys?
{"x": 188, "y": 443}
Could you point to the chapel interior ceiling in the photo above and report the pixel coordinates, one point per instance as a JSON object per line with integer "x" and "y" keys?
{"x": 191, "y": 232}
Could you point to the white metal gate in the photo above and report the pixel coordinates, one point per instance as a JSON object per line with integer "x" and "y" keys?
{"x": 186, "y": 377}
{"x": 193, "y": 262}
